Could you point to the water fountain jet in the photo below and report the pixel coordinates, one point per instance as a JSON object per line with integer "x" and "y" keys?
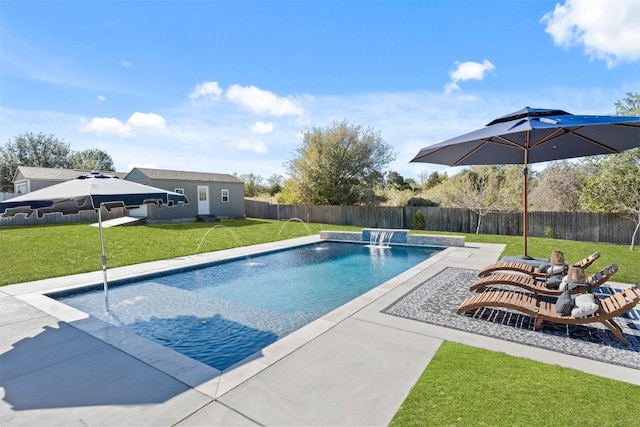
{"x": 209, "y": 231}
{"x": 294, "y": 219}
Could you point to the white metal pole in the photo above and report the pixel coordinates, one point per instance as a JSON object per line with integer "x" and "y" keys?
{"x": 104, "y": 259}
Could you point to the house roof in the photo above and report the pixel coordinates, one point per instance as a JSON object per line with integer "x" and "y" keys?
{"x": 187, "y": 176}
{"x": 55, "y": 174}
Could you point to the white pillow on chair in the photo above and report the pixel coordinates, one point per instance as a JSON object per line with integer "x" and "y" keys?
{"x": 584, "y": 305}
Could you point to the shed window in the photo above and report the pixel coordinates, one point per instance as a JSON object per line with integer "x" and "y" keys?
{"x": 224, "y": 195}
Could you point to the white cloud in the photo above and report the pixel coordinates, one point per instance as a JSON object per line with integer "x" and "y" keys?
{"x": 105, "y": 126}
{"x": 263, "y": 101}
{"x": 113, "y": 126}
{"x": 219, "y": 140}
{"x": 608, "y": 30}
{"x": 210, "y": 91}
{"x": 146, "y": 120}
{"x": 125, "y": 64}
{"x": 467, "y": 71}
{"x": 261, "y": 127}
{"x": 254, "y": 146}
{"x": 101, "y": 98}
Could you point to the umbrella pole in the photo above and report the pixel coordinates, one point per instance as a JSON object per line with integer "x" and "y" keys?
{"x": 525, "y": 173}
{"x": 104, "y": 260}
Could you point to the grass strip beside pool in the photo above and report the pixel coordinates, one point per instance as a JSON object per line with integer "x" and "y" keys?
{"x": 468, "y": 386}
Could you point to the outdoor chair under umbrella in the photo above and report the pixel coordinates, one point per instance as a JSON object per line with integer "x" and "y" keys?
{"x": 90, "y": 192}
{"x": 534, "y": 135}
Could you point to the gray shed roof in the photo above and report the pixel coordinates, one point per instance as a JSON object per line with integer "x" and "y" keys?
{"x": 55, "y": 174}
{"x": 186, "y": 176}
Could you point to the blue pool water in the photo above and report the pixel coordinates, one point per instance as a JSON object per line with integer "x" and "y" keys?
{"x": 222, "y": 313}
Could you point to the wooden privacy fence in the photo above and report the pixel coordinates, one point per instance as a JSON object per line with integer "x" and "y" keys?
{"x": 580, "y": 226}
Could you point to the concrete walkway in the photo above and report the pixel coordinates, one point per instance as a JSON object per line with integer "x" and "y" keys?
{"x": 354, "y": 366}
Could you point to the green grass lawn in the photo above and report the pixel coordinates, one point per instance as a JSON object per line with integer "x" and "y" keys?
{"x": 461, "y": 386}
{"x": 467, "y": 386}
{"x": 39, "y": 252}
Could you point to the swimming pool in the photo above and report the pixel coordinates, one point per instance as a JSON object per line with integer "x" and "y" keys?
{"x": 222, "y": 313}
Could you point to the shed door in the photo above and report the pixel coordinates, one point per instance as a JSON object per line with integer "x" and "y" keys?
{"x": 203, "y": 200}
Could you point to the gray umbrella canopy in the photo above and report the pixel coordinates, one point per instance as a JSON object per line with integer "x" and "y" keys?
{"x": 534, "y": 135}
{"x": 89, "y": 192}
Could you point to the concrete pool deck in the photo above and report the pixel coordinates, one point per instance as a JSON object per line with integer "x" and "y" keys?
{"x": 354, "y": 366}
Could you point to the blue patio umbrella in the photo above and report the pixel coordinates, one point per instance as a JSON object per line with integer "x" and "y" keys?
{"x": 534, "y": 135}
{"x": 90, "y": 192}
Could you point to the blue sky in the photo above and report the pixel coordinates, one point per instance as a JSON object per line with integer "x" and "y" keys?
{"x": 228, "y": 86}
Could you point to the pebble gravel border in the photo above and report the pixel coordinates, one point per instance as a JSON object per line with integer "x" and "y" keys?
{"x": 436, "y": 300}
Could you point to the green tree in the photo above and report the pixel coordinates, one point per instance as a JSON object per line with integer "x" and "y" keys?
{"x": 29, "y": 149}
{"x": 478, "y": 188}
{"x": 253, "y": 184}
{"x": 395, "y": 180}
{"x": 558, "y": 187}
{"x": 46, "y": 151}
{"x": 340, "y": 164}
{"x": 616, "y": 188}
{"x": 434, "y": 179}
{"x": 613, "y": 184}
{"x": 292, "y": 193}
{"x": 91, "y": 159}
{"x": 629, "y": 106}
{"x": 411, "y": 184}
{"x": 423, "y": 177}
{"x": 419, "y": 222}
{"x": 274, "y": 184}
{"x": 512, "y": 187}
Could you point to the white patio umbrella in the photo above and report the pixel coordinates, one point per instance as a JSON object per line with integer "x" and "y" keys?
{"x": 90, "y": 192}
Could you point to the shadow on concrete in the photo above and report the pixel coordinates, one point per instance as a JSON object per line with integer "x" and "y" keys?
{"x": 64, "y": 367}
{"x": 60, "y": 366}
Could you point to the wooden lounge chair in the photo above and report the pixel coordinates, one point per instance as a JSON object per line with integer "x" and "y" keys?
{"x": 537, "y": 286}
{"x": 530, "y": 270}
{"x": 609, "y": 308}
